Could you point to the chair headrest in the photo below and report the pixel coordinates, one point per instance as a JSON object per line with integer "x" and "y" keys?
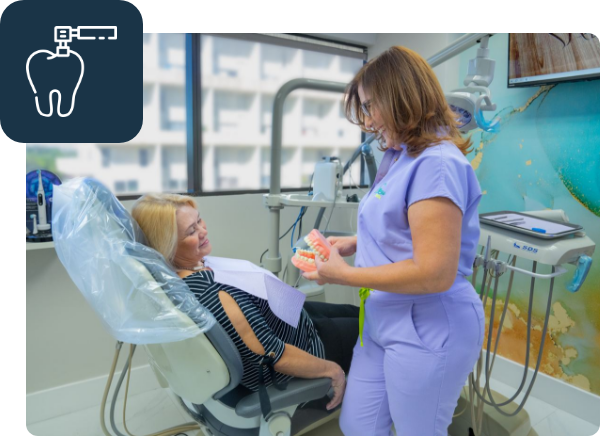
{"x": 138, "y": 297}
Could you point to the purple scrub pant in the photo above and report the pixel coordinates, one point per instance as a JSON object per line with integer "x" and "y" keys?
{"x": 418, "y": 352}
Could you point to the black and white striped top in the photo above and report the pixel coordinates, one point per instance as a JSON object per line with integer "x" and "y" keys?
{"x": 272, "y": 332}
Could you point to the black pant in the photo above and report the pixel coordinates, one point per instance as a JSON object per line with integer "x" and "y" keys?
{"x": 337, "y": 326}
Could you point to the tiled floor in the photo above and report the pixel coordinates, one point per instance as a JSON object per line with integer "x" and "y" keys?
{"x": 156, "y": 410}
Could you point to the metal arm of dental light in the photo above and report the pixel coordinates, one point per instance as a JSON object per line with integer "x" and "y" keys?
{"x": 272, "y": 261}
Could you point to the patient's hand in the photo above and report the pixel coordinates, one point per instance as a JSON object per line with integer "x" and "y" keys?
{"x": 338, "y": 383}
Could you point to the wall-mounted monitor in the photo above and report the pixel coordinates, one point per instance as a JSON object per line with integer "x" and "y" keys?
{"x": 543, "y": 58}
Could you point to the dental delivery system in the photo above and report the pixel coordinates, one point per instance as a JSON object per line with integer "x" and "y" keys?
{"x": 63, "y": 35}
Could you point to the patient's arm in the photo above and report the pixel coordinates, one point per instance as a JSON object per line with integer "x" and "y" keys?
{"x": 294, "y": 362}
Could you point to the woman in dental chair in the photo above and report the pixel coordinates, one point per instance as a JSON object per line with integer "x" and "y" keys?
{"x": 320, "y": 346}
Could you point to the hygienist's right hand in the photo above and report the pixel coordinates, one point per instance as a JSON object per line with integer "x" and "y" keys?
{"x": 334, "y": 270}
{"x": 346, "y": 245}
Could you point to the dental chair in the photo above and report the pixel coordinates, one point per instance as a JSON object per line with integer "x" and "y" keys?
{"x": 140, "y": 300}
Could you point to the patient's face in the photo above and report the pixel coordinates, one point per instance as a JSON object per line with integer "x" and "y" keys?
{"x": 192, "y": 240}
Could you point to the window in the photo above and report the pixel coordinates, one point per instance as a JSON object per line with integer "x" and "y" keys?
{"x": 129, "y": 186}
{"x": 105, "y": 157}
{"x": 174, "y": 168}
{"x": 172, "y": 107}
{"x": 231, "y": 169}
{"x": 132, "y": 185}
{"x": 238, "y": 76}
{"x": 172, "y": 51}
{"x": 144, "y": 157}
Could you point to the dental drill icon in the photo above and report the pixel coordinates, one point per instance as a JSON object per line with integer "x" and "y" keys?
{"x": 64, "y": 35}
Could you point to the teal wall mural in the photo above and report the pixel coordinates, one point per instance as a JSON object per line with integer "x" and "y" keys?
{"x": 546, "y": 156}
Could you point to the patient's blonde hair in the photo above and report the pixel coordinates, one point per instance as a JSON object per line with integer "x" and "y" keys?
{"x": 156, "y": 215}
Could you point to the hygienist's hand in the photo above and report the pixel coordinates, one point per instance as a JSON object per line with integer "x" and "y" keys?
{"x": 331, "y": 271}
{"x": 346, "y": 245}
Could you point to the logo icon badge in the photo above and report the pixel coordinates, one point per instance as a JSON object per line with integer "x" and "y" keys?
{"x": 83, "y": 66}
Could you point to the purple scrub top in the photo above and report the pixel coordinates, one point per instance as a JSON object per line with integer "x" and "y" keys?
{"x": 383, "y": 234}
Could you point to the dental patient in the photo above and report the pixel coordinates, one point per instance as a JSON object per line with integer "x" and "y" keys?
{"x": 319, "y": 346}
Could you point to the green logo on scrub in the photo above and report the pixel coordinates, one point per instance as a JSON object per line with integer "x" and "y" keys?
{"x": 380, "y": 192}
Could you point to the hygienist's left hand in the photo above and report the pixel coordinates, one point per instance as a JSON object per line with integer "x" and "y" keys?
{"x": 331, "y": 271}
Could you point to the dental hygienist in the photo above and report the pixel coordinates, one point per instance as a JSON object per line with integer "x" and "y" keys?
{"x": 418, "y": 230}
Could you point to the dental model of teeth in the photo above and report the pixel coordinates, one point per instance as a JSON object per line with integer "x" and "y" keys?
{"x": 318, "y": 245}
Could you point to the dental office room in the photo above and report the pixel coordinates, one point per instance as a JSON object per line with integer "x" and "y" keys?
{"x": 326, "y": 234}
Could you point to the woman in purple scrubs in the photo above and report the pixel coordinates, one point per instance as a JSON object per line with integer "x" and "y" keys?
{"x": 418, "y": 230}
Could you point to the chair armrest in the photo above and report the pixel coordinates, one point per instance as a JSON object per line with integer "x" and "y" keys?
{"x": 299, "y": 390}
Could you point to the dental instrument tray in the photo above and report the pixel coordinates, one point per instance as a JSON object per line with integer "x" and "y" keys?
{"x": 537, "y": 227}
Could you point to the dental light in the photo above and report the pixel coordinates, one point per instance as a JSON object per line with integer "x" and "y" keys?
{"x": 470, "y": 102}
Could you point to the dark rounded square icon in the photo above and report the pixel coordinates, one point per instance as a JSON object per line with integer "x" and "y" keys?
{"x": 72, "y": 71}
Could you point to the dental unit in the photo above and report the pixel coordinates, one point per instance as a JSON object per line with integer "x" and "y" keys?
{"x": 489, "y": 413}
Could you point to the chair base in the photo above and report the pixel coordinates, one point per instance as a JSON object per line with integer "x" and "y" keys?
{"x": 303, "y": 420}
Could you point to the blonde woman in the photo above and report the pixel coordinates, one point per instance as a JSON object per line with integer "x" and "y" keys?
{"x": 319, "y": 346}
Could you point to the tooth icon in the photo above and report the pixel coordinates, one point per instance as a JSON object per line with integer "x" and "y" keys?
{"x": 37, "y": 103}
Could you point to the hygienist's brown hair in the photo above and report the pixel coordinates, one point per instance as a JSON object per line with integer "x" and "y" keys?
{"x": 404, "y": 89}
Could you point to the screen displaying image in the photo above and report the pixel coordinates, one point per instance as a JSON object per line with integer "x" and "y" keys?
{"x": 543, "y": 58}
